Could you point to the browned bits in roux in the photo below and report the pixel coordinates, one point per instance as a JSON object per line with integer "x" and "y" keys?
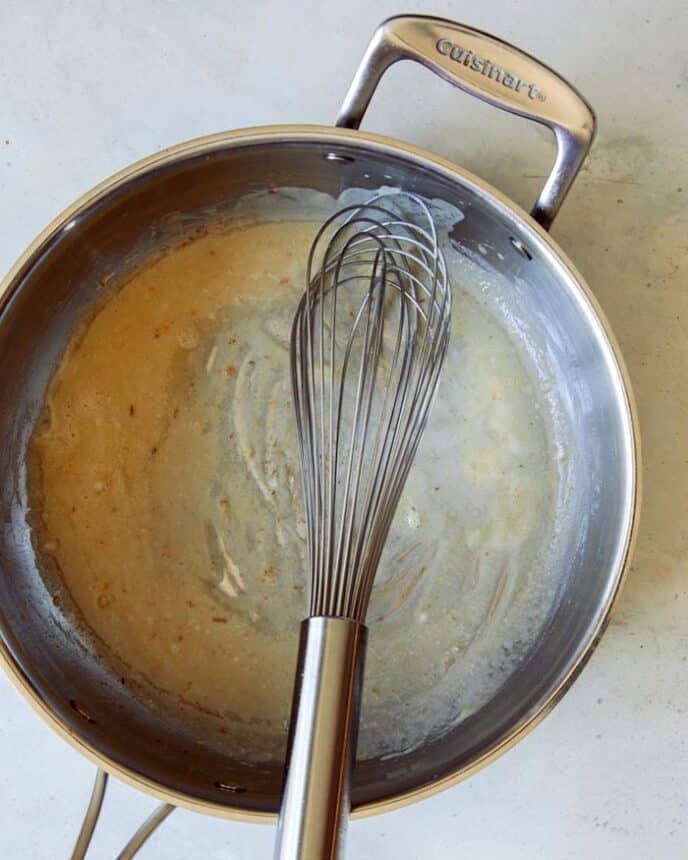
{"x": 104, "y": 600}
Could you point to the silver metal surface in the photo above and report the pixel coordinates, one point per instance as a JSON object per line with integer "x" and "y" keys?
{"x": 322, "y": 741}
{"x": 367, "y": 344}
{"x": 145, "y": 831}
{"x": 95, "y": 804}
{"x": 492, "y": 70}
{"x": 92, "y": 816}
{"x": 130, "y": 217}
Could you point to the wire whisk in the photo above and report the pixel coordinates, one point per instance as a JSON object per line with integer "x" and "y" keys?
{"x": 368, "y": 341}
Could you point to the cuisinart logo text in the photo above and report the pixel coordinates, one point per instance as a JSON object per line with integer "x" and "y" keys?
{"x": 485, "y": 67}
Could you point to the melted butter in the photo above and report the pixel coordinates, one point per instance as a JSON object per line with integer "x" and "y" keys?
{"x": 165, "y": 474}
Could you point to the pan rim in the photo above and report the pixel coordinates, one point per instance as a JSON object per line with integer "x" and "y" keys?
{"x": 511, "y": 212}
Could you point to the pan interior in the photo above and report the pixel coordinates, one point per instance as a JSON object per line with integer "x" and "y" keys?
{"x": 135, "y": 222}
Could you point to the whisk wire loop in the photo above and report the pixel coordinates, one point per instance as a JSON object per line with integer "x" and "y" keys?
{"x": 368, "y": 341}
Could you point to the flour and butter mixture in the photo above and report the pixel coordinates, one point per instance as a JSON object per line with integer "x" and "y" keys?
{"x": 166, "y": 491}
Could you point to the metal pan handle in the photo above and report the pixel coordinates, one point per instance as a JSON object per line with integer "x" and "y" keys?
{"x": 491, "y": 70}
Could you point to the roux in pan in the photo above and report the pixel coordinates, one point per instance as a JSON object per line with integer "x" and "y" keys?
{"x": 165, "y": 479}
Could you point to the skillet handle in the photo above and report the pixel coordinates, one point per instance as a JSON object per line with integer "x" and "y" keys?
{"x": 154, "y": 820}
{"x": 491, "y": 70}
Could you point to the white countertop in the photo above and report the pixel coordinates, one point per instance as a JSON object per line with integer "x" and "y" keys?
{"x": 87, "y": 87}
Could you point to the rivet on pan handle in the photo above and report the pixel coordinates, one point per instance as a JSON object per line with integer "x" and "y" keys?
{"x": 492, "y": 70}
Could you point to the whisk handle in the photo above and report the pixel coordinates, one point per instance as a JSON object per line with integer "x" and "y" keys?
{"x": 316, "y": 799}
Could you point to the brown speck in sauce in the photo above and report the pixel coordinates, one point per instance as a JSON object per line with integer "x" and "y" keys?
{"x": 162, "y": 329}
{"x": 229, "y": 370}
{"x": 131, "y": 410}
{"x": 219, "y": 619}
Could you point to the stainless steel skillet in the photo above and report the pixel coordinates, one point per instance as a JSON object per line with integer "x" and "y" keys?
{"x": 55, "y": 283}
